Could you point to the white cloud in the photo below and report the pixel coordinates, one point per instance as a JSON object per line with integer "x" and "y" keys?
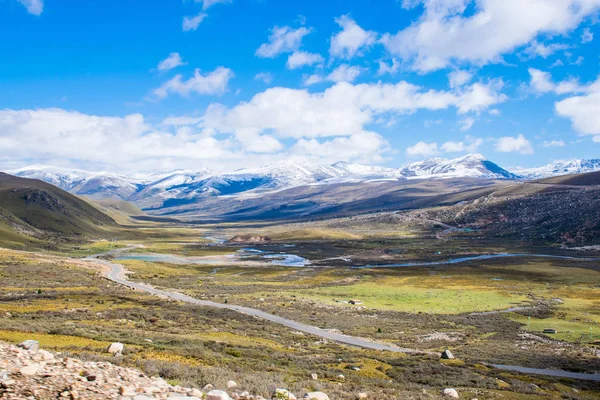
{"x": 181, "y": 120}
{"x": 276, "y": 124}
{"x": 449, "y": 31}
{"x": 301, "y": 58}
{"x": 344, "y": 73}
{"x": 541, "y": 82}
{"x": 212, "y": 83}
{"x": 583, "y": 111}
{"x": 351, "y": 40}
{"x": 206, "y": 4}
{"x": 35, "y": 7}
{"x": 341, "y": 110}
{"x": 470, "y": 145}
{"x": 173, "y": 61}
{"x": 587, "y": 36}
{"x": 129, "y": 143}
{"x": 362, "y": 147}
{"x": 385, "y": 68}
{"x": 422, "y": 149}
{"x": 459, "y": 77}
{"x": 266, "y": 77}
{"x": 282, "y": 40}
{"x": 537, "y": 49}
{"x": 312, "y": 79}
{"x": 466, "y": 124}
{"x": 553, "y": 143}
{"x": 192, "y": 23}
{"x": 429, "y": 123}
{"x": 517, "y": 144}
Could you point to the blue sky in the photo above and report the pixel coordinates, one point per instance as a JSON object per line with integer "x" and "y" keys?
{"x": 122, "y": 86}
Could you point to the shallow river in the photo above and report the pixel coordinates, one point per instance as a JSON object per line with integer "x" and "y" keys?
{"x": 117, "y": 274}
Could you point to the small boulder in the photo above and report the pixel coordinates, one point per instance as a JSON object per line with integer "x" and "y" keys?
{"x": 43, "y": 355}
{"x": 314, "y": 376}
{"x": 197, "y": 393}
{"x": 315, "y": 396}
{"x": 115, "y": 349}
{"x": 208, "y": 388}
{"x": 127, "y": 391}
{"x": 341, "y": 377}
{"x": 283, "y": 394}
{"x": 451, "y": 393}
{"x": 447, "y": 355}
{"x": 231, "y": 385}
{"x": 30, "y": 345}
{"x": 217, "y": 395}
{"x": 31, "y": 369}
{"x": 362, "y": 396}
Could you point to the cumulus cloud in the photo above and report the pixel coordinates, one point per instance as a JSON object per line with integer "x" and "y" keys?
{"x": 541, "y": 82}
{"x": 385, "y": 68}
{"x": 300, "y": 59}
{"x": 282, "y": 40}
{"x": 422, "y": 149}
{"x": 363, "y": 147}
{"x": 266, "y": 77}
{"x": 341, "y": 110}
{"x": 583, "y": 111}
{"x": 519, "y": 144}
{"x": 352, "y": 40}
{"x": 343, "y": 73}
{"x": 470, "y": 145}
{"x": 450, "y": 31}
{"x": 206, "y": 4}
{"x": 277, "y": 123}
{"x": 173, "y": 61}
{"x": 215, "y": 82}
{"x": 466, "y": 124}
{"x": 35, "y": 7}
{"x": 587, "y": 36}
{"x": 459, "y": 77}
{"x": 536, "y": 49}
{"x": 98, "y": 142}
{"x": 193, "y": 22}
{"x": 553, "y": 143}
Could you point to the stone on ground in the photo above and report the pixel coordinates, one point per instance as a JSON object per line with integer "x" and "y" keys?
{"x": 30, "y": 345}
{"x": 452, "y": 393}
{"x": 115, "y": 349}
{"x": 217, "y": 395}
{"x": 447, "y": 355}
{"x": 315, "y": 396}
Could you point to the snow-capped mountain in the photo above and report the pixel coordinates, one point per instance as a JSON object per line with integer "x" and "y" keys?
{"x": 366, "y": 171}
{"x": 185, "y": 187}
{"x": 84, "y": 183}
{"x": 469, "y": 166}
{"x": 559, "y": 168}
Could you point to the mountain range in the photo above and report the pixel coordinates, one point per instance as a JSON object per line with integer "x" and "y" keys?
{"x": 177, "y": 188}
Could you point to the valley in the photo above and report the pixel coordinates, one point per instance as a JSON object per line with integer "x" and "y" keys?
{"x": 373, "y": 295}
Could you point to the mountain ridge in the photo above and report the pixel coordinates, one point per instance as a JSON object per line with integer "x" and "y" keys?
{"x": 186, "y": 187}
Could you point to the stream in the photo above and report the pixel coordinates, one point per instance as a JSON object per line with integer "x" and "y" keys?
{"x": 116, "y": 273}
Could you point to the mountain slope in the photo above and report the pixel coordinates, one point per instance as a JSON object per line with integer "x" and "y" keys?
{"x": 470, "y": 166}
{"x": 85, "y": 183}
{"x": 559, "y": 168}
{"x": 33, "y": 208}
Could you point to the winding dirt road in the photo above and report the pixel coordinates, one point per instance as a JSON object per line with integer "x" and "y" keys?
{"x": 117, "y": 273}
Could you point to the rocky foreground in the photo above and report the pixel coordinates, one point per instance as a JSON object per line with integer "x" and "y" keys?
{"x": 28, "y": 372}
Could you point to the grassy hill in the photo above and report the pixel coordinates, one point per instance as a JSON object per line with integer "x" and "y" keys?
{"x": 120, "y": 211}
{"x": 587, "y": 179}
{"x": 33, "y": 212}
